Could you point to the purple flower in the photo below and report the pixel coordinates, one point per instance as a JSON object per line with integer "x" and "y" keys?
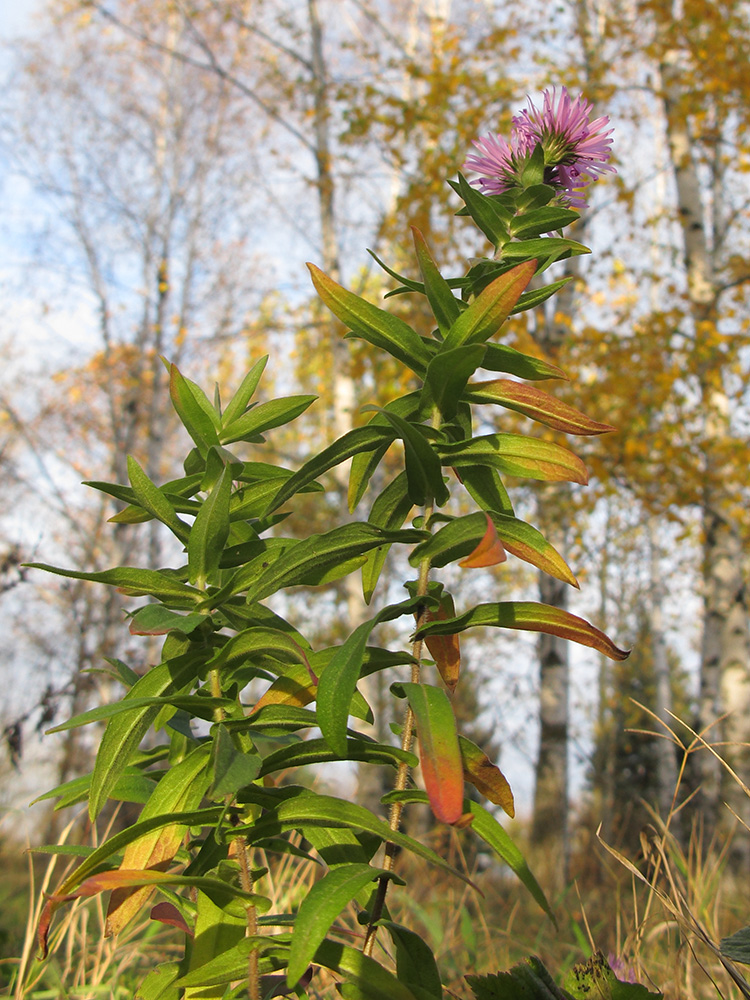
{"x": 576, "y": 149}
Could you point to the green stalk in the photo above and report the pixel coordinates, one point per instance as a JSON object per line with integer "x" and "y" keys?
{"x": 246, "y": 879}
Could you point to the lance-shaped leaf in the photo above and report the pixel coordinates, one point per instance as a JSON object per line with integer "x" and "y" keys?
{"x": 210, "y": 531}
{"x": 339, "y": 679}
{"x": 323, "y": 903}
{"x": 491, "y": 308}
{"x": 304, "y": 562}
{"x": 307, "y": 809}
{"x": 263, "y": 417}
{"x": 528, "y": 616}
{"x": 535, "y": 403}
{"x": 535, "y": 297}
{"x": 458, "y": 537}
{"x": 124, "y": 732}
{"x": 487, "y": 827}
{"x": 241, "y": 399}
{"x": 446, "y": 378}
{"x": 443, "y": 302}
{"x": 518, "y": 455}
{"x": 500, "y": 358}
{"x": 552, "y": 248}
{"x": 485, "y": 487}
{"x": 194, "y": 409}
{"x": 490, "y": 215}
{"x": 542, "y": 220}
{"x": 112, "y": 847}
{"x": 318, "y": 752}
{"x": 444, "y": 649}
{"x": 415, "y": 962}
{"x": 155, "y": 619}
{"x": 134, "y": 582}
{"x": 424, "y": 474}
{"x": 360, "y": 439}
{"x": 489, "y": 550}
{"x": 180, "y": 790}
{"x": 151, "y": 499}
{"x": 376, "y": 326}
{"x": 232, "y": 768}
{"x": 485, "y": 776}
{"x": 439, "y": 753}
{"x": 371, "y": 981}
{"x": 389, "y": 510}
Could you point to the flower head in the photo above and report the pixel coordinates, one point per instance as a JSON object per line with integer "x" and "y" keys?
{"x": 575, "y": 148}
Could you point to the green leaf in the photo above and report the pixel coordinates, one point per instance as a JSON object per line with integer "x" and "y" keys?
{"x": 447, "y": 375}
{"x": 132, "y": 786}
{"x": 499, "y": 358}
{"x": 374, "y": 982}
{"x": 151, "y": 498}
{"x": 517, "y": 455}
{"x": 487, "y": 313}
{"x": 439, "y": 753}
{"x": 244, "y": 394}
{"x": 737, "y": 946}
{"x": 368, "y": 322}
{"x": 415, "y": 963}
{"x": 339, "y": 680}
{"x": 323, "y": 903}
{"x": 232, "y": 964}
{"x": 533, "y": 169}
{"x": 535, "y": 297}
{"x": 485, "y": 487}
{"x": 390, "y": 510}
{"x": 304, "y": 561}
{"x": 263, "y": 417}
{"x": 423, "y": 472}
{"x": 318, "y": 752}
{"x": 134, "y": 582}
{"x": 488, "y": 213}
{"x": 528, "y": 616}
{"x": 460, "y": 536}
{"x": 160, "y": 983}
{"x": 360, "y": 439}
{"x": 232, "y": 769}
{"x": 124, "y": 733}
{"x": 298, "y": 811}
{"x": 542, "y": 220}
{"x": 550, "y": 247}
{"x": 210, "y": 531}
{"x": 535, "y": 403}
{"x": 491, "y": 832}
{"x": 194, "y": 410}
{"x": 155, "y": 619}
{"x": 444, "y": 304}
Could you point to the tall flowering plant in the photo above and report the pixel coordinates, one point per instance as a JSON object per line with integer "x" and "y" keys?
{"x": 218, "y": 823}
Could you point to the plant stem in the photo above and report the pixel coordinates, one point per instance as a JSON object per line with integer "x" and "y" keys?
{"x": 402, "y": 774}
{"x": 246, "y": 878}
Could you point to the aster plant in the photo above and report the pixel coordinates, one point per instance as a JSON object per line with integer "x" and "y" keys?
{"x": 242, "y": 698}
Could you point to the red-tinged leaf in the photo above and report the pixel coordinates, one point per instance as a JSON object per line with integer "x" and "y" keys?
{"x": 181, "y": 789}
{"x": 517, "y": 455}
{"x": 485, "y": 776}
{"x": 378, "y": 327}
{"x": 489, "y": 551}
{"x": 167, "y": 913}
{"x": 439, "y": 752}
{"x": 528, "y": 616}
{"x": 491, "y": 308}
{"x": 294, "y": 687}
{"x": 535, "y": 403}
{"x": 445, "y": 649}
